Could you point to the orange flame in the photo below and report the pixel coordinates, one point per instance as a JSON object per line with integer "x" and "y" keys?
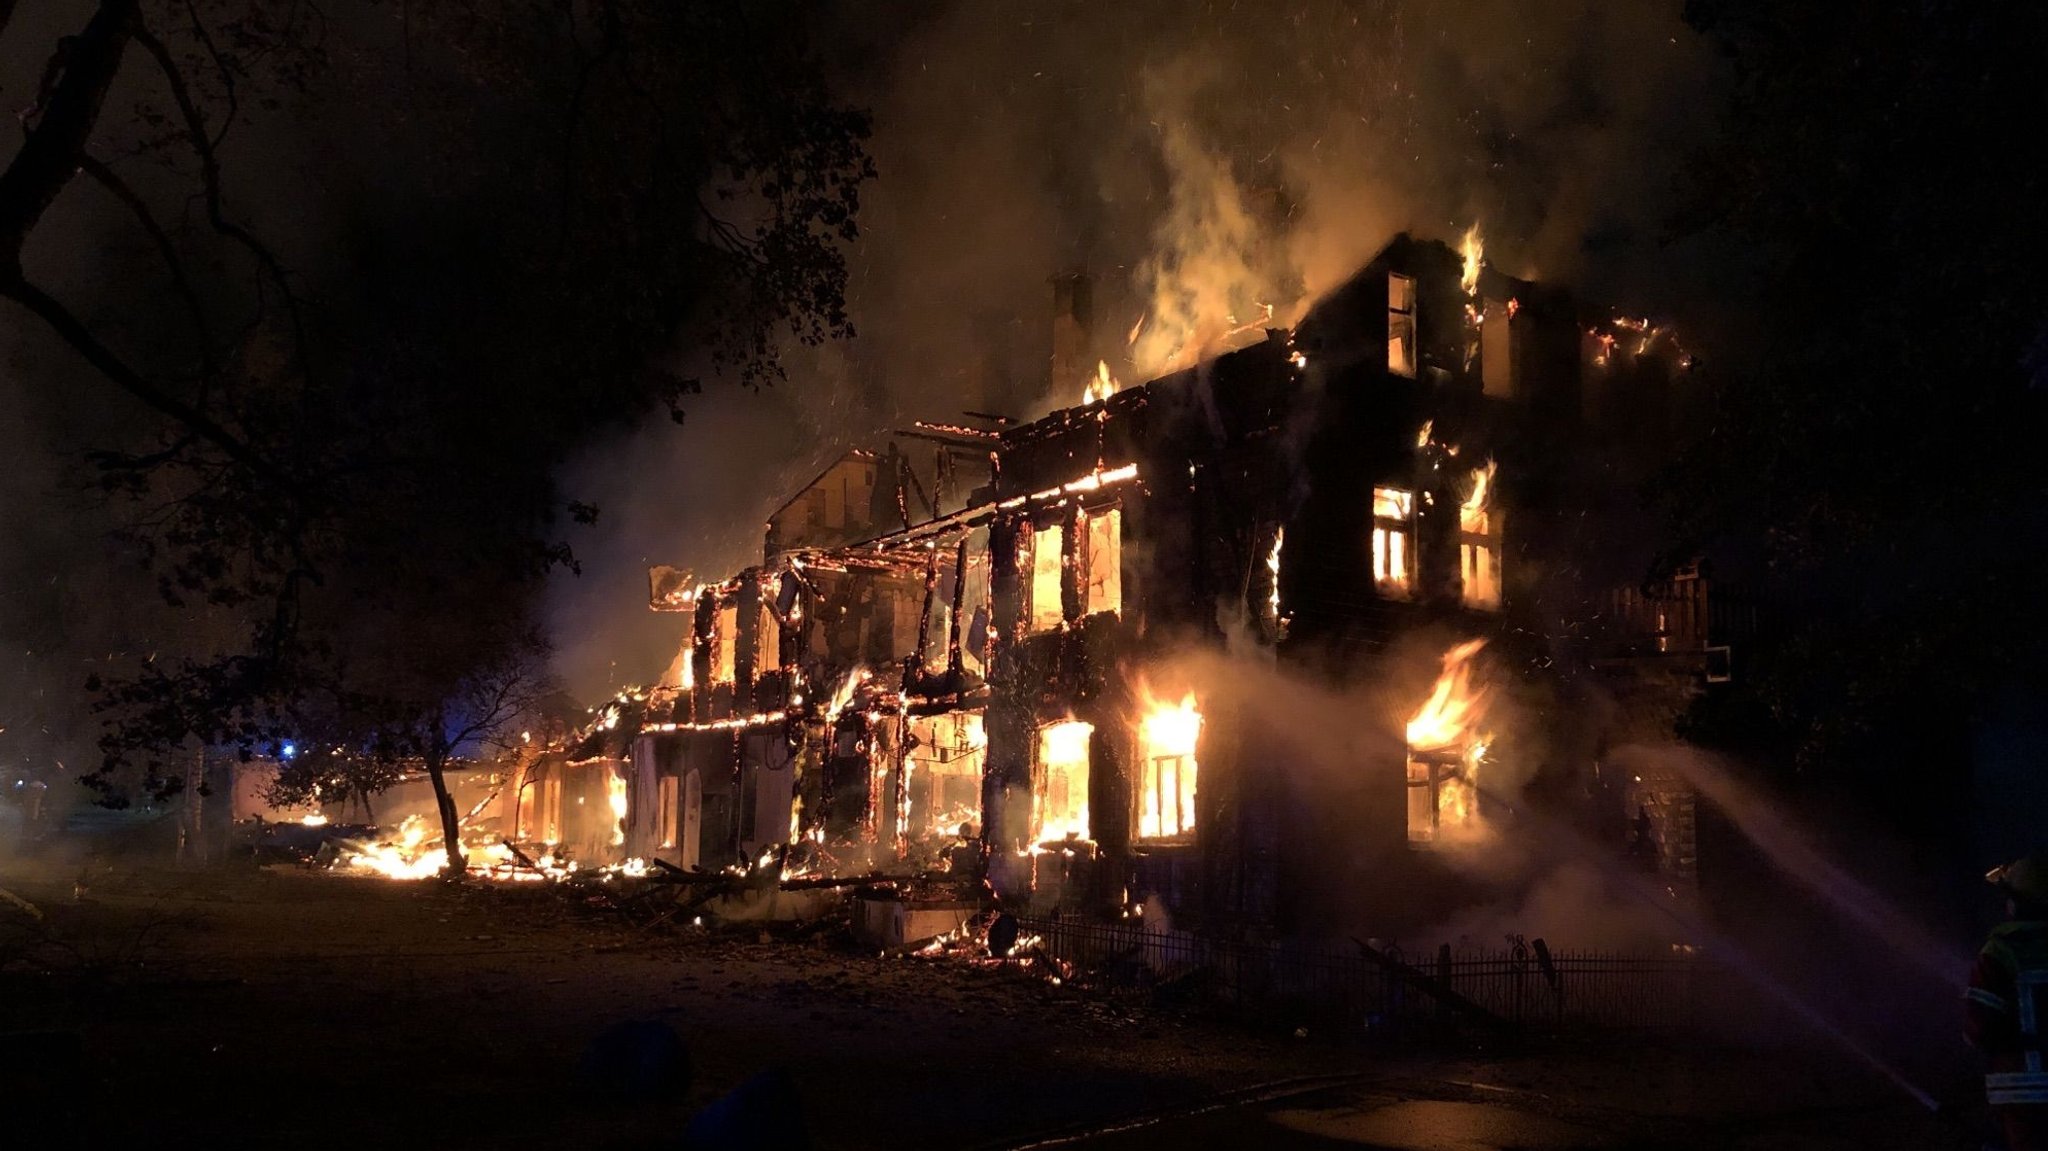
{"x": 1474, "y": 251}
{"x": 1101, "y": 386}
{"x": 1472, "y": 515}
{"x": 1167, "y": 735}
{"x": 1447, "y": 727}
{"x": 1454, "y": 709}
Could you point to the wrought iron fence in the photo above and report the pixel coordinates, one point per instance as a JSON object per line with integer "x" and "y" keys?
{"x": 1522, "y": 986}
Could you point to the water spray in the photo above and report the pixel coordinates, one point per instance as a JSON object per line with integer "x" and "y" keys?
{"x": 1729, "y": 953}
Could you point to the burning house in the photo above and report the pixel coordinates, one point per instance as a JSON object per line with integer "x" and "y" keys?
{"x": 1428, "y": 457}
{"x": 827, "y": 701}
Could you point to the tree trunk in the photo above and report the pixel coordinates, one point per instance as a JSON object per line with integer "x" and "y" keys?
{"x": 451, "y": 820}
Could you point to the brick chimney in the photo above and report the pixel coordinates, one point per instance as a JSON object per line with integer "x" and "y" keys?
{"x": 1073, "y": 332}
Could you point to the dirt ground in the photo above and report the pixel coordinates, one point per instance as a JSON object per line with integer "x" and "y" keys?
{"x": 280, "y": 1007}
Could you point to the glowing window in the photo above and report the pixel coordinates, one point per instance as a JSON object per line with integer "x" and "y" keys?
{"x": 1440, "y": 794}
{"x": 1496, "y": 350}
{"x": 938, "y": 652}
{"x": 1393, "y": 535}
{"x": 1400, "y": 325}
{"x": 1059, "y": 802}
{"x": 1105, "y": 562}
{"x": 1266, "y": 585}
{"x": 1447, "y": 749}
{"x": 531, "y": 822}
{"x": 1048, "y": 571}
{"x": 667, "y": 806}
{"x": 975, "y": 615}
{"x": 1479, "y": 542}
{"x": 1168, "y": 771}
{"x": 942, "y": 784}
{"x": 768, "y": 653}
{"x": 540, "y": 810}
{"x": 725, "y": 643}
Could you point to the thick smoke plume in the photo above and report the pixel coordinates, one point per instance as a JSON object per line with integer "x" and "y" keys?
{"x": 1202, "y": 164}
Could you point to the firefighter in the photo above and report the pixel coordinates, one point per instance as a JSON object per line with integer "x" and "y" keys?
{"x": 2003, "y": 1005}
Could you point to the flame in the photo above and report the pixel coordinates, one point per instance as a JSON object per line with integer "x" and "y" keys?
{"x": 1273, "y": 566}
{"x": 1447, "y": 726}
{"x": 1166, "y": 750}
{"x": 1101, "y": 386}
{"x": 1454, "y": 707}
{"x": 1472, "y": 514}
{"x": 615, "y": 792}
{"x": 1422, "y": 437}
{"x": 1063, "y": 806}
{"x": 314, "y": 820}
{"x": 843, "y": 695}
{"x": 406, "y": 855}
{"x": 1474, "y": 251}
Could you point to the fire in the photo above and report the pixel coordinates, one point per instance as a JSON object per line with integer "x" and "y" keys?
{"x": 1101, "y": 386}
{"x": 314, "y": 820}
{"x": 1166, "y": 750}
{"x": 615, "y": 792}
{"x": 1273, "y": 567}
{"x": 1446, "y": 748}
{"x": 1479, "y": 542}
{"x": 1472, "y": 515}
{"x": 1454, "y": 707}
{"x": 1422, "y": 437}
{"x": 1063, "y": 802}
{"x": 403, "y": 856}
{"x": 1474, "y": 251}
{"x": 844, "y": 693}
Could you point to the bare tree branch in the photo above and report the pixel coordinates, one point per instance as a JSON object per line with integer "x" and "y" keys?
{"x": 74, "y": 332}
{"x": 220, "y": 64}
{"x": 113, "y": 183}
{"x": 49, "y": 156}
{"x": 209, "y": 172}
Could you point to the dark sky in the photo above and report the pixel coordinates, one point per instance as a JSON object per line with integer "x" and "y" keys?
{"x": 1225, "y": 152}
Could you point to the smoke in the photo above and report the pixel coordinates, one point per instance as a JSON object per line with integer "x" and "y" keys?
{"x": 1795, "y": 854}
{"x": 1202, "y": 165}
{"x": 1571, "y": 903}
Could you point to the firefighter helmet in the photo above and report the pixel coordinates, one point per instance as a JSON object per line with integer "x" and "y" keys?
{"x": 2025, "y": 878}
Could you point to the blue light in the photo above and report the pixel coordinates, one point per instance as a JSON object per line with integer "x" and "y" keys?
{"x": 290, "y": 750}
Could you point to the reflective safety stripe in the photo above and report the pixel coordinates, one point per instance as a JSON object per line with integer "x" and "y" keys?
{"x": 1994, "y": 1002}
{"x": 2009, "y": 1088}
{"x": 2027, "y": 985}
{"x": 2036, "y": 1095}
